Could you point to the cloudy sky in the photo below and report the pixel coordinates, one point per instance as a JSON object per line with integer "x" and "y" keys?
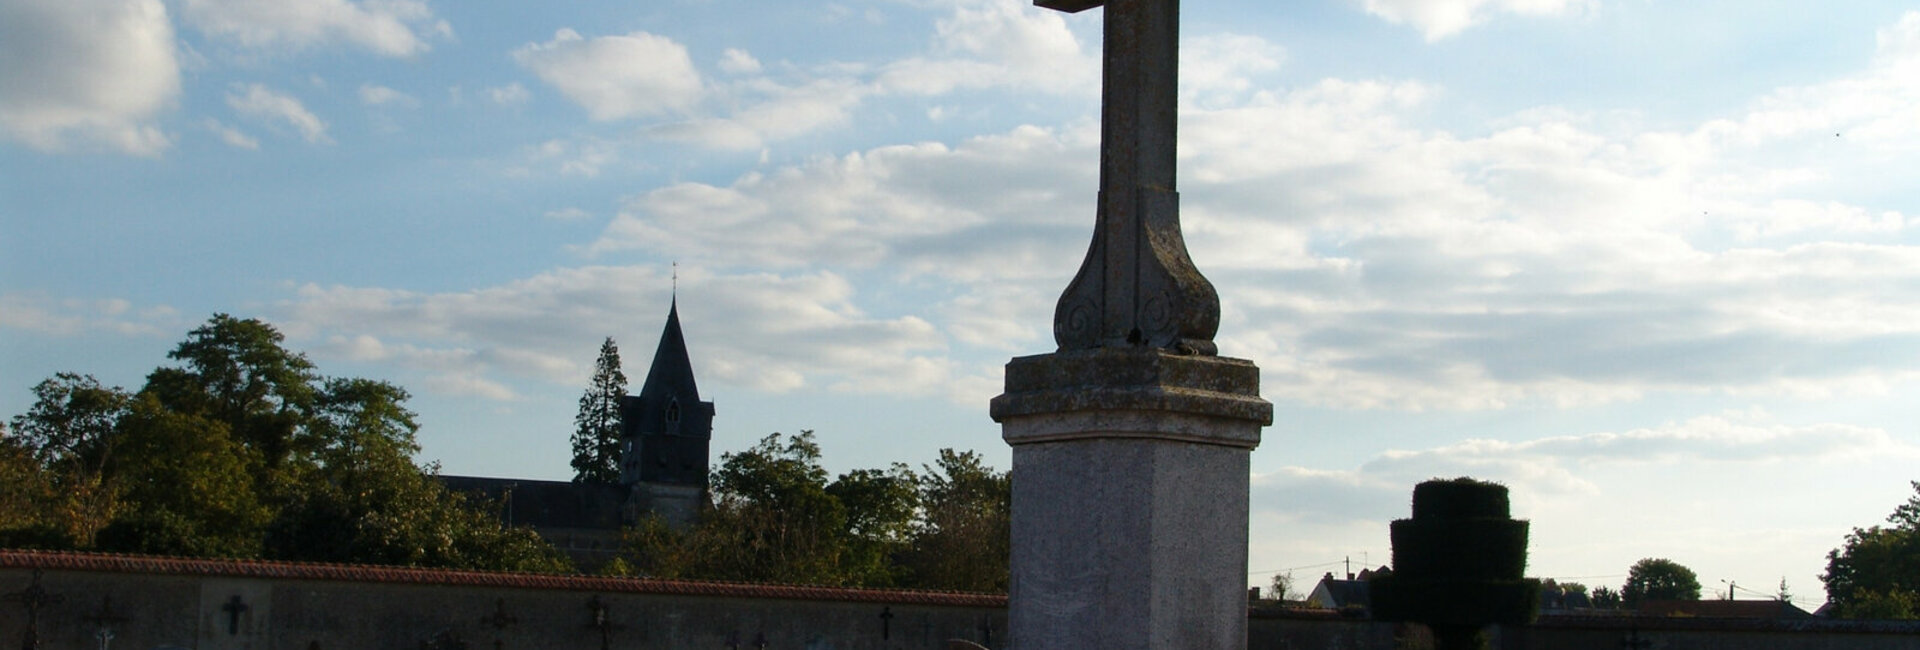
{"x": 1654, "y": 265}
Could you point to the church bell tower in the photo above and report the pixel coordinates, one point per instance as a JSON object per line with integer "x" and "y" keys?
{"x": 665, "y": 435}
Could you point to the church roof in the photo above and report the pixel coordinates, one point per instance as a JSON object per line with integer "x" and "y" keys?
{"x": 672, "y": 370}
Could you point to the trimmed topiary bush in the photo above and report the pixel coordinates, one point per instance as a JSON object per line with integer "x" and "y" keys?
{"x": 1458, "y": 564}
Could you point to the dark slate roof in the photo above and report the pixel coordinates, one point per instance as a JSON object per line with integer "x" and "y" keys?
{"x": 672, "y": 369}
{"x": 156, "y": 565}
{"x": 1348, "y": 592}
{"x": 547, "y": 504}
{"x": 1723, "y": 609}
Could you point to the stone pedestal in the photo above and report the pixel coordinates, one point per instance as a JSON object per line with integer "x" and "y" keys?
{"x": 1130, "y": 471}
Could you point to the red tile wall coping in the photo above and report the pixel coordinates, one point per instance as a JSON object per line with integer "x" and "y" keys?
{"x": 162, "y": 565}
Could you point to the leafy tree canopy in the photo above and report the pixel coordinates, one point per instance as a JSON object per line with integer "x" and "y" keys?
{"x": 776, "y": 517}
{"x": 244, "y": 450}
{"x": 1659, "y": 579}
{"x": 1876, "y": 571}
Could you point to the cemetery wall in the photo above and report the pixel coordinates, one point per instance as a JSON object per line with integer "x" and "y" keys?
{"x": 102, "y": 601}
{"x": 89, "y": 601}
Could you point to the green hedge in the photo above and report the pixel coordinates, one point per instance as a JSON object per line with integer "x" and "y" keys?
{"x": 1471, "y": 549}
{"x": 1455, "y": 602}
{"x": 1460, "y": 498}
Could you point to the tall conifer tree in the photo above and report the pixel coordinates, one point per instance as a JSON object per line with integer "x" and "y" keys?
{"x": 596, "y": 434}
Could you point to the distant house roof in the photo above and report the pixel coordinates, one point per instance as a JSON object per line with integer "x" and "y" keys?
{"x": 1723, "y": 609}
{"x": 547, "y": 504}
{"x": 1333, "y": 593}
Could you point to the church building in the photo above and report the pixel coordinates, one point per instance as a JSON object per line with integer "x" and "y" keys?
{"x": 665, "y": 436}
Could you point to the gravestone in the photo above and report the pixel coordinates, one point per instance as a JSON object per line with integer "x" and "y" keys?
{"x": 1131, "y": 442}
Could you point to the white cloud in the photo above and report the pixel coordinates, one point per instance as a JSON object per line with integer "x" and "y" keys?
{"x": 1217, "y": 69}
{"x": 377, "y": 95}
{"x": 584, "y": 157}
{"x": 232, "y": 136}
{"x": 989, "y": 43}
{"x": 510, "y": 94}
{"x": 761, "y": 331}
{"x": 387, "y": 27}
{"x": 616, "y": 77}
{"x": 263, "y": 104}
{"x": 1438, "y": 19}
{"x": 93, "y": 71}
{"x": 568, "y": 214}
{"x": 736, "y": 61}
{"x": 40, "y": 314}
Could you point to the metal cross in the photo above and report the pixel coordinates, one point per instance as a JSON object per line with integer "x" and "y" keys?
{"x": 34, "y": 597}
{"x": 499, "y": 620}
{"x": 1138, "y": 286}
{"x": 234, "y": 608}
{"x": 886, "y": 623}
{"x": 104, "y": 620}
{"x": 602, "y": 621}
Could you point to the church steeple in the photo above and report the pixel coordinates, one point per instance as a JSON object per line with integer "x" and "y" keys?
{"x": 672, "y": 370}
{"x": 667, "y": 426}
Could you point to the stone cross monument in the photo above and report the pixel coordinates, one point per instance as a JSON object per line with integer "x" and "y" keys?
{"x": 1131, "y": 442}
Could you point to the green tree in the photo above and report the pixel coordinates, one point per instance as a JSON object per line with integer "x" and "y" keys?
{"x": 189, "y": 488}
{"x": 596, "y": 429}
{"x": 773, "y": 519}
{"x": 26, "y": 520}
{"x": 1605, "y": 598}
{"x": 1281, "y": 587}
{"x": 69, "y": 435}
{"x": 1876, "y": 571}
{"x": 1659, "y": 579}
{"x": 963, "y": 540}
{"x": 880, "y": 507}
{"x": 245, "y": 450}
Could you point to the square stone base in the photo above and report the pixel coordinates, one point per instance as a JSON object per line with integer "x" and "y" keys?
{"x": 1130, "y": 471}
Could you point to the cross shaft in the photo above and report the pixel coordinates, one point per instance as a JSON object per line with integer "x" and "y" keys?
{"x": 1138, "y": 286}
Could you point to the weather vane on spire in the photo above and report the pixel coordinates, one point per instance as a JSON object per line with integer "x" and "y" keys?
{"x": 1137, "y": 287}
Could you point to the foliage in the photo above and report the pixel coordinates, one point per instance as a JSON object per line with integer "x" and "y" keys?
{"x": 775, "y": 517}
{"x": 245, "y": 450}
{"x": 1281, "y": 588}
{"x": 1605, "y": 598}
{"x": 963, "y": 540}
{"x": 597, "y": 427}
{"x": 1876, "y": 571}
{"x": 1658, "y": 579}
{"x": 61, "y": 447}
{"x": 880, "y": 507}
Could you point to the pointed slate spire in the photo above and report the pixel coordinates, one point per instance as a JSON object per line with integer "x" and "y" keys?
{"x": 672, "y": 372}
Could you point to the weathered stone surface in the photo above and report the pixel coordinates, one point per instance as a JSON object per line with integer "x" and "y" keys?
{"x": 1105, "y": 383}
{"x": 1130, "y": 497}
{"x": 1129, "y": 543}
{"x": 1138, "y": 286}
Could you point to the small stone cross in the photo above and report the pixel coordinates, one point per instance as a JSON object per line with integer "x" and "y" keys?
{"x": 234, "y": 608}
{"x": 1137, "y": 286}
{"x": 886, "y": 623}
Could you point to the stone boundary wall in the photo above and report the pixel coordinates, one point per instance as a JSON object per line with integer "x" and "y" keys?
{"x": 93, "y": 601}
{"x": 1290, "y": 629}
{"x": 141, "y": 603}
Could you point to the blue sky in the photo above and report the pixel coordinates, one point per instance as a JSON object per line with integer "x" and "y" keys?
{"x": 1653, "y": 265}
